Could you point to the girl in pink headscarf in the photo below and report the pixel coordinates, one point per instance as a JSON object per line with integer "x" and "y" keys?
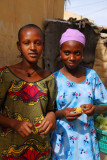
{"x": 75, "y": 135}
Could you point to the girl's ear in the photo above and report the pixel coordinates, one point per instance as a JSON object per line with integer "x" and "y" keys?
{"x": 60, "y": 51}
{"x": 18, "y": 45}
{"x": 60, "y": 48}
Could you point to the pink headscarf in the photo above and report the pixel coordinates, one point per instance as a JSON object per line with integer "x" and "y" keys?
{"x": 72, "y": 34}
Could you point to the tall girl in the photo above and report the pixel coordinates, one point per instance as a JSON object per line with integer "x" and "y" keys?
{"x": 27, "y": 95}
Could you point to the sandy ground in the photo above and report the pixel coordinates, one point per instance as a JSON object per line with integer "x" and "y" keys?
{"x": 103, "y": 156}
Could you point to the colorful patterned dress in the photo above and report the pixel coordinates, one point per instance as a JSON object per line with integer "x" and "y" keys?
{"x": 76, "y": 140}
{"x": 22, "y": 100}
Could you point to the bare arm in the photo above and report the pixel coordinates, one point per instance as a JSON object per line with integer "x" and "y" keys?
{"x": 100, "y": 109}
{"x": 48, "y": 124}
{"x": 24, "y": 128}
{"x": 59, "y": 114}
{"x": 88, "y": 109}
{"x": 91, "y": 109}
{"x": 67, "y": 113}
{"x": 6, "y": 121}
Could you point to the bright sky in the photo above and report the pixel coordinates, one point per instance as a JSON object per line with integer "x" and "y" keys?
{"x": 92, "y": 9}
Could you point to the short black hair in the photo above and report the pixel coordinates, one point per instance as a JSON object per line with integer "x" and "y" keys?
{"x": 29, "y": 26}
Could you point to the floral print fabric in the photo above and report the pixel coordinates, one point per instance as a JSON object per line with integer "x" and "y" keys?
{"x": 76, "y": 140}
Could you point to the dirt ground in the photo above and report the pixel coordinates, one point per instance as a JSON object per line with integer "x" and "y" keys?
{"x": 103, "y": 156}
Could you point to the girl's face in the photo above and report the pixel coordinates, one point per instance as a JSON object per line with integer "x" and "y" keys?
{"x": 31, "y": 44}
{"x": 71, "y": 52}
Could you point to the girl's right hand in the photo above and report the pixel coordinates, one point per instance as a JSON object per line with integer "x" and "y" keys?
{"x": 69, "y": 114}
{"x": 24, "y": 128}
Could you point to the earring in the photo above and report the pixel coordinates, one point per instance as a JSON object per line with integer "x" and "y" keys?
{"x": 60, "y": 57}
{"x": 21, "y": 53}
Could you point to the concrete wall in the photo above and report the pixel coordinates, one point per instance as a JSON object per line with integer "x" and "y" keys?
{"x": 100, "y": 65}
{"x": 16, "y": 13}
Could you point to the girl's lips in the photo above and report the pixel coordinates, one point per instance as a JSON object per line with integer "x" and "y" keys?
{"x": 71, "y": 64}
{"x": 33, "y": 55}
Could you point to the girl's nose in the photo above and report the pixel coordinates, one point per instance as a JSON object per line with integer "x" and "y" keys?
{"x": 32, "y": 46}
{"x": 72, "y": 57}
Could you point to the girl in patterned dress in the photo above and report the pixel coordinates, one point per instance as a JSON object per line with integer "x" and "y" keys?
{"x": 75, "y": 137}
{"x": 27, "y": 95}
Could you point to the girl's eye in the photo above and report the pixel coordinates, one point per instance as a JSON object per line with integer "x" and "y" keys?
{"x": 77, "y": 53}
{"x": 38, "y": 43}
{"x": 26, "y": 43}
{"x": 66, "y": 52}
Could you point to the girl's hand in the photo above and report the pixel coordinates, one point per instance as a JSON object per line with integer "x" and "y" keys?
{"x": 88, "y": 109}
{"x": 48, "y": 124}
{"x": 24, "y": 128}
{"x": 69, "y": 114}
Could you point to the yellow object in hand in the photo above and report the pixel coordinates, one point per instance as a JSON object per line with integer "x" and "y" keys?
{"x": 78, "y": 109}
{"x": 36, "y": 131}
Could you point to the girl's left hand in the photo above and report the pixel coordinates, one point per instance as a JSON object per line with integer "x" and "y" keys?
{"x": 48, "y": 124}
{"x": 88, "y": 109}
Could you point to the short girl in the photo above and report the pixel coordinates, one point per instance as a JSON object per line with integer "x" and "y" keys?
{"x": 75, "y": 135}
